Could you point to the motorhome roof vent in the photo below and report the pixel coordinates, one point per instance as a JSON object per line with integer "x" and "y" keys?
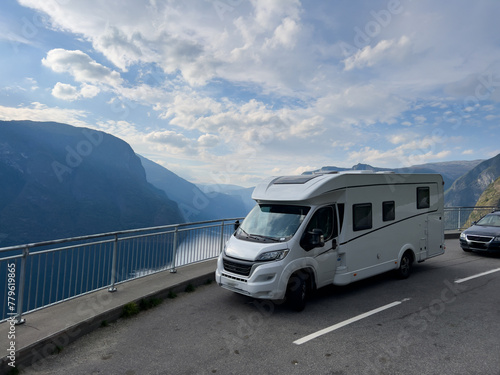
{"x": 301, "y": 179}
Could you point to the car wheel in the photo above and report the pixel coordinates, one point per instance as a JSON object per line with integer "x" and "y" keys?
{"x": 296, "y": 294}
{"x": 404, "y": 270}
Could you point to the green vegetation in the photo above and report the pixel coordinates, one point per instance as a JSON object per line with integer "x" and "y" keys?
{"x": 146, "y": 304}
{"x": 171, "y": 294}
{"x": 190, "y": 288}
{"x": 130, "y": 309}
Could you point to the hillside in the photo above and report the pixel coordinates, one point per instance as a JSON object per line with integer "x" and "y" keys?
{"x": 489, "y": 198}
{"x": 450, "y": 171}
{"x": 59, "y": 181}
{"x": 467, "y": 189}
{"x": 208, "y": 203}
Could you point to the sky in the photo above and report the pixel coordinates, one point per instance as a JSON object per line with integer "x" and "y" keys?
{"x": 235, "y": 91}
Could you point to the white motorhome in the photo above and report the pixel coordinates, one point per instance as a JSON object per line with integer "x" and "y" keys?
{"x": 308, "y": 231}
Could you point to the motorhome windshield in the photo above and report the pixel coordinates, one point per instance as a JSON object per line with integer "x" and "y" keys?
{"x": 270, "y": 222}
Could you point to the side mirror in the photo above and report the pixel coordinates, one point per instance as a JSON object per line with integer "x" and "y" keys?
{"x": 312, "y": 239}
{"x": 317, "y": 238}
{"x": 236, "y": 225}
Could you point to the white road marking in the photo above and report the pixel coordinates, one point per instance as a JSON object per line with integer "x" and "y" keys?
{"x": 475, "y": 276}
{"x": 346, "y": 322}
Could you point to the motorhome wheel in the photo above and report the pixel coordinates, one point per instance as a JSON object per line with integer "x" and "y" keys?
{"x": 405, "y": 265}
{"x": 297, "y": 292}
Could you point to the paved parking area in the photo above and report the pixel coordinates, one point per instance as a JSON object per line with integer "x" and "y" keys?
{"x": 430, "y": 324}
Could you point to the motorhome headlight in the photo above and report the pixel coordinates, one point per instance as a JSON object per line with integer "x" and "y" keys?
{"x": 462, "y": 236}
{"x": 273, "y": 255}
{"x": 497, "y": 239}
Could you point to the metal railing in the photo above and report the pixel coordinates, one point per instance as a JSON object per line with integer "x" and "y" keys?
{"x": 459, "y": 218}
{"x": 42, "y": 274}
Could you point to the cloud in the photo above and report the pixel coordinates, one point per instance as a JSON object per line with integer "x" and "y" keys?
{"x": 385, "y": 50}
{"x": 65, "y": 91}
{"x": 68, "y": 92}
{"x": 285, "y": 34}
{"x": 169, "y": 137}
{"x": 208, "y": 140}
{"x": 40, "y": 112}
{"x": 362, "y": 104}
{"x": 396, "y": 158}
{"x": 81, "y": 67}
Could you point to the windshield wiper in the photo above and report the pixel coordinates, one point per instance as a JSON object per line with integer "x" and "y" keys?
{"x": 252, "y": 236}
{"x": 258, "y": 237}
{"x": 266, "y": 237}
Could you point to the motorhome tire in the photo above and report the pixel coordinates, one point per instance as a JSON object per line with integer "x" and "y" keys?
{"x": 405, "y": 265}
{"x": 296, "y": 294}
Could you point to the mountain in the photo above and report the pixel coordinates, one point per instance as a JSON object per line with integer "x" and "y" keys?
{"x": 59, "y": 181}
{"x": 467, "y": 189}
{"x": 245, "y": 194}
{"x": 449, "y": 170}
{"x": 490, "y": 197}
{"x": 195, "y": 204}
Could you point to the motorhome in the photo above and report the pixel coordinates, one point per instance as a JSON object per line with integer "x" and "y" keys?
{"x": 312, "y": 230}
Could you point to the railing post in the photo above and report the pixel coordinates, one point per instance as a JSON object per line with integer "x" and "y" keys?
{"x": 459, "y": 217}
{"x": 221, "y": 237}
{"x": 176, "y": 233}
{"x": 19, "y": 319}
{"x": 113, "y": 266}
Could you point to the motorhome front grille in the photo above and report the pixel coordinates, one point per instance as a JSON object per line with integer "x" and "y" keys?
{"x": 238, "y": 268}
{"x": 234, "y": 278}
{"x": 483, "y": 239}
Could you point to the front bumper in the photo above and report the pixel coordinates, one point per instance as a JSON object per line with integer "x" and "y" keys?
{"x": 480, "y": 245}
{"x": 263, "y": 280}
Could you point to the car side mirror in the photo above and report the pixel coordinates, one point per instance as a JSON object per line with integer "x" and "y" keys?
{"x": 317, "y": 239}
{"x": 236, "y": 225}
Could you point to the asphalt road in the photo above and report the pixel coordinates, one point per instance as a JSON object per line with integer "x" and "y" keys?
{"x": 428, "y": 324}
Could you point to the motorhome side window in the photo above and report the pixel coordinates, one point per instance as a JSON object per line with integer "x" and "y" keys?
{"x": 323, "y": 219}
{"x": 423, "y": 197}
{"x": 388, "y": 211}
{"x": 361, "y": 216}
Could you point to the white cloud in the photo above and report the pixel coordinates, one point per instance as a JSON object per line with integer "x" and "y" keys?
{"x": 267, "y": 78}
{"x": 285, "y": 34}
{"x": 69, "y": 92}
{"x": 40, "y": 112}
{"x": 362, "y": 104}
{"x": 169, "y": 137}
{"x": 208, "y": 140}
{"x": 303, "y": 169}
{"x": 385, "y": 50}
{"x": 65, "y": 92}
{"x": 81, "y": 67}
{"x": 396, "y": 158}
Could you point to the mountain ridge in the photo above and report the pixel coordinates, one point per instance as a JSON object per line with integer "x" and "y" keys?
{"x": 58, "y": 181}
{"x": 467, "y": 189}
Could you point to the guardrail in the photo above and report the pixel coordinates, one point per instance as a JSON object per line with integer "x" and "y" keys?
{"x": 459, "y": 218}
{"x": 41, "y": 274}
